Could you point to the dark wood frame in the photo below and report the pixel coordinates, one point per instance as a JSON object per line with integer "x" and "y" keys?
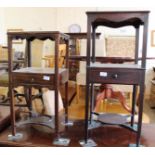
{"x": 16, "y": 30}
{"x": 58, "y": 37}
{"x": 116, "y": 19}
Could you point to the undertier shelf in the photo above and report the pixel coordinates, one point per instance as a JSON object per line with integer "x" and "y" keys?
{"x": 113, "y": 119}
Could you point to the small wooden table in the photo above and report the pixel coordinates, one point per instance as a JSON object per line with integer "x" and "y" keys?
{"x": 38, "y": 77}
{"x": 115, "y": 73}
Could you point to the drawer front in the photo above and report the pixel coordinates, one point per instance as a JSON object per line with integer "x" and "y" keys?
{"x": 32, "y": 79}
{"x": 112, "y": 76}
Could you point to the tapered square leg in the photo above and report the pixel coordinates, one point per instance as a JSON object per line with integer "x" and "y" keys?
{"x": 61, "y": 141}
{"x": 90, "y": 143}
{"x": 135, "y": 145}
{"x": 17, "y": 136}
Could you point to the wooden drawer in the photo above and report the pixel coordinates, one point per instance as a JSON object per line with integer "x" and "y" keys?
{"x": 115, "y": 76}
{"x": 38, "y": 76}
{"x": 32, "y": 79}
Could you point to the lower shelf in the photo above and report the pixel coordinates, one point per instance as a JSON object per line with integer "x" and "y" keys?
{"x": 114, "y": 119}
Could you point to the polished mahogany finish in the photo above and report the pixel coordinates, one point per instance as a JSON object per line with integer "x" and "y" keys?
{"x": 38, "y": 76}
{"x": 116, "y": 19}
{"x": 42, "y": 35}
{"x": 124, "y": 75}
{"x": 81, "y": 35}
{"x": 30, "y": 77}
{"x": 103, "y": 59}
{"x": 108, "y": 59}
{"x": 105, "y": 136}
{"x": 133, "y": 74}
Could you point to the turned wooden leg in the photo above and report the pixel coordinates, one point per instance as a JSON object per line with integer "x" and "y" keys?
{"x": 130, "y": 99}
{"x": 77, "y": 93}
{"x": 105, "y": 105}
{"x": 120, "y": 96}
{"x": 100, "y": 97}
{"x": 107, "y": 92}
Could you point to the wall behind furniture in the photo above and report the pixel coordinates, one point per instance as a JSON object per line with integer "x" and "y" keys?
{"x": 53, "y": 18}
{"x": 46, "y": 18}
{"x": 28, "y": 19}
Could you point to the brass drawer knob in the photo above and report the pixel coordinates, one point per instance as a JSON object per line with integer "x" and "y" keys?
{"x": 115, "y": 76}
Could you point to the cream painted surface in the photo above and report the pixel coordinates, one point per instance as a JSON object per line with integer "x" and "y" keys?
{"x": 68, "y": 16}
{"x": 37, "y": 53}
{"x": 42, "y": 18}
{"x": 30, "y": 18}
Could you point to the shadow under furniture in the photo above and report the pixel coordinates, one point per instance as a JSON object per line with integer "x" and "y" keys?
{"x": 125, "y": 74}
{"x": 38, "y": 77}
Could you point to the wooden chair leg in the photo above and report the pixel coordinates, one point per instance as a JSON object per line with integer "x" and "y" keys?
{"x": 105, "y": 105}
{"x": 130, "y": 99}
{"x": 100, "y": 97}
{"x": 137, "y": 96}
{"x": 107, "y": 93}
{"x": 120, "y": 96}
{"x": 77, "y": 93}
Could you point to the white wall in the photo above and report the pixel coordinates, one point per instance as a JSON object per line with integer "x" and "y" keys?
{"x": 42, "y": 18}
{"x": 29, "y": 19}
{"x": 73, "y": 15}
